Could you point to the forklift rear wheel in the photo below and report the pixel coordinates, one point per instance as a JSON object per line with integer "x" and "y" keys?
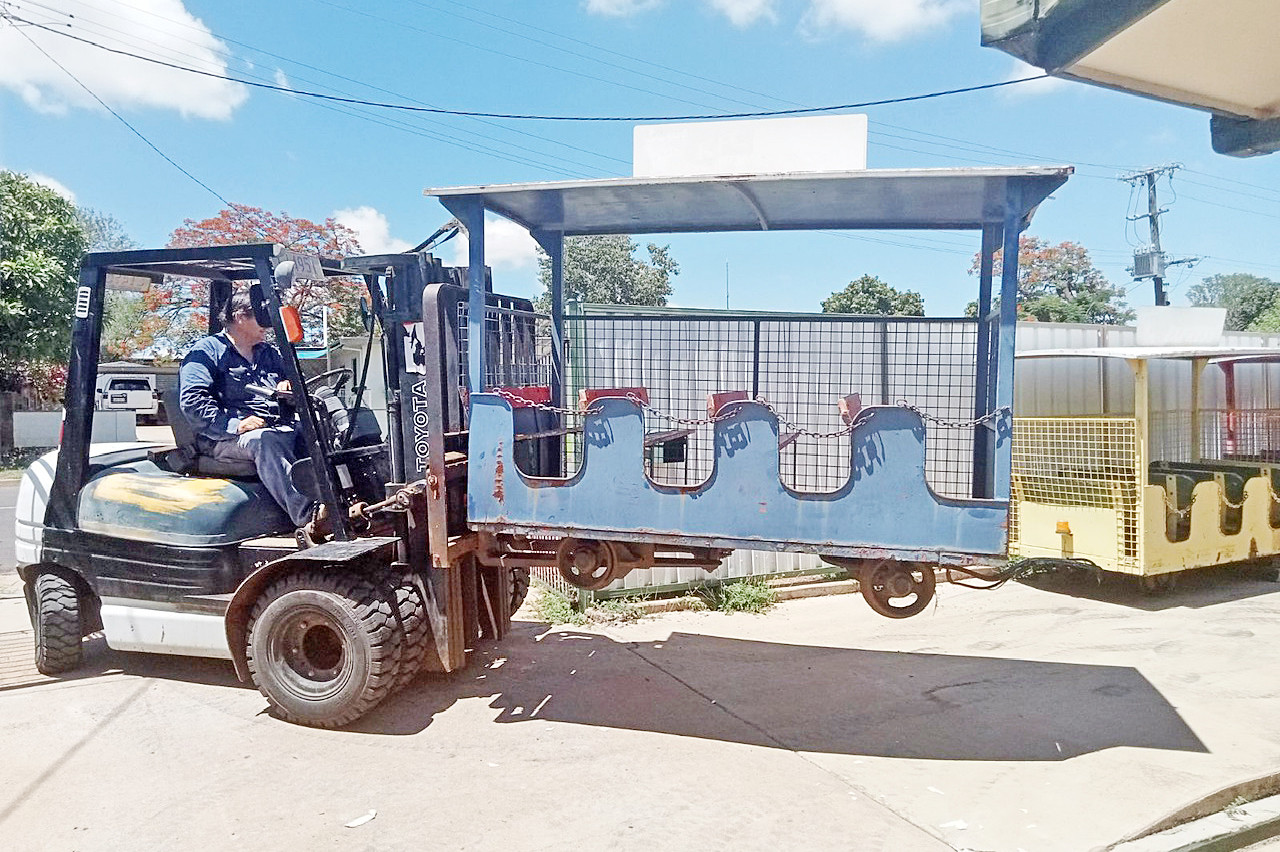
{"x": 57, "y": 622}
{"x": 323, "y": 647}
{"x": 519, "y": 587}
{"x": 897, "y": 589}
{"x": 1158, "y": 584}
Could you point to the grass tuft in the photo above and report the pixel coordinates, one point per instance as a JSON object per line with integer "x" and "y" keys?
{"x": 749, "y": 595}
{"x": 555, "y": 607}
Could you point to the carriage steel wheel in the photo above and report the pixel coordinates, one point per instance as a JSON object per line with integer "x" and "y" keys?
{"x": 897, "y": 589}
{"x": 324, "y": 647}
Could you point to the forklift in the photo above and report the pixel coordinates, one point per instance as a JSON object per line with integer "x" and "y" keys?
{"x": 166, "y": 550}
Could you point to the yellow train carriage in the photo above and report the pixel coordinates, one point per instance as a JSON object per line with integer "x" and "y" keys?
{"x": 1155, "y": 491}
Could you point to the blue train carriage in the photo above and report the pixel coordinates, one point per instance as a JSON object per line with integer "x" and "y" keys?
{"x": 578, "y": 461}
{"x": 1169, "y": 465}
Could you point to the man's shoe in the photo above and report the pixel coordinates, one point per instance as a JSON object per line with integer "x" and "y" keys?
{"x": 320, "y": 527}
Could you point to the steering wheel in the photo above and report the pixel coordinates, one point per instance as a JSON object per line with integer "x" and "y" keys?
{"x": 343, "y": 374}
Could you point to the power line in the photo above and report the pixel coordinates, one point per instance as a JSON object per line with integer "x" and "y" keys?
{"x": 132, "y": 129}
{"x": 482, "y": 143}
{"x": 531, "y": 116}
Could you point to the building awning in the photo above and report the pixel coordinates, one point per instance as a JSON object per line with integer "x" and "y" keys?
{"x": 1156, "y": 353}
{"x": 1216, "y": 55}
{"x": 872, "y": 199}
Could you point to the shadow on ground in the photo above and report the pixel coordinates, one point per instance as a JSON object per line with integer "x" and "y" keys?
{"x": 801, "y": 697}
{"x": 1193, "y": 589}
{"x": 100, "y": 661}
{"x": 796, "y": 697}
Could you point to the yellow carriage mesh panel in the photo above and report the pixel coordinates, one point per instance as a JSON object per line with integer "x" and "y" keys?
{"x": 1079, "y": 461}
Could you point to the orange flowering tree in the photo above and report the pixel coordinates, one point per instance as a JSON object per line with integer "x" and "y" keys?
{"x": 175, "y": 313}
{"x": 1059, "y": 283}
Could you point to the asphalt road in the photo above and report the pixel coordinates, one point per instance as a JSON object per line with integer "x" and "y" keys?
{"x": 1053, "y": 718}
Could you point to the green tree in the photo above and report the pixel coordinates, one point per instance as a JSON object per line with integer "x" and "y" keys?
{"x": 870, "y": 295}
{"x": 102, "y": 231}
{"x": 40, "y": 248}
{"x": 605, "y": 270}
{"x": 1059, "y": 283}
{"x": 125, "y": 312}
{"x": 1247, "y": 298}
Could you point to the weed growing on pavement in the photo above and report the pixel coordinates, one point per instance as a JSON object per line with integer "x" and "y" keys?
{"x": 749, "y": 595}
{"x": 555, "y": 607}
{"x": 615, "y": 611}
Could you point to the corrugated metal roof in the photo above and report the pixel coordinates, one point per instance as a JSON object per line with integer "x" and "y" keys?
{"x": 1150, "y": 353}
{"x": 872, "y": 199}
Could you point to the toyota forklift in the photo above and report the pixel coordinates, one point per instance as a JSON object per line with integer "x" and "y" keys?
{"x": 167, "y": 550}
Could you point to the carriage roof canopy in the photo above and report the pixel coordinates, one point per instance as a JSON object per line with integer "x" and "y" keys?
{"x": 966, "y": 198}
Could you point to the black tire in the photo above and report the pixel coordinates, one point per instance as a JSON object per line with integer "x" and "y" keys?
{"x": 411, "y": 614}
{"x": 324, "y": 647}
{"x": 519, "y": 587}
{"x": 58, "y": 624}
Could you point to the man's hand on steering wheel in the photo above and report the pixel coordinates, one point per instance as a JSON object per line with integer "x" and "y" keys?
{"x": 250, "y": 423}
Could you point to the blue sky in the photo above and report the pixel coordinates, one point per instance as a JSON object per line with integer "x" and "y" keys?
{"x": 594, "y": 57}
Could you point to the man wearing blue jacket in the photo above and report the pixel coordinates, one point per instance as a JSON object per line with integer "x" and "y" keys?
{"x": 233, "y": 422}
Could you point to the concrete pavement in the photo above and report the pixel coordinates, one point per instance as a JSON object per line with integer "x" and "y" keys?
{"x": 1063, "y": 716}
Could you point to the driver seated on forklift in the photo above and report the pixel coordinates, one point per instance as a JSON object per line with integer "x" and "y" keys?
{"x": 233, "y": 422}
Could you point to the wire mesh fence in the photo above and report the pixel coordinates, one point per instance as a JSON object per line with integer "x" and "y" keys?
{"x": 1089, "y": 462}
{"x": 802, "y": 366}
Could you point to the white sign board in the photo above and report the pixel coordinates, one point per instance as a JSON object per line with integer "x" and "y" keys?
{"x": 128, "y": 283}
{"x": 826, "y": 143}
{"x": 1168, "y": 326}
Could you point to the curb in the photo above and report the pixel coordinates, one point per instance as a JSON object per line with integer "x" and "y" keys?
{"x": 1234, "y": 828}
{"x": 788, "y": 592}
{"x": 1212, "y": 823}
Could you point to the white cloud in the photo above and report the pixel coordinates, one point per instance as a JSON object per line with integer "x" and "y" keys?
{"x": 744, "y": 13}
{"x": 1020, "y": 70}
{"x": 372, "y": 229}
{"x": 880, "y": 20}
{"x": 621, "y": 8}
{"x": 282, "y": 80}
{"x": 164, "y": 29}
{"x": 56, "y": 185}
{"x": 506, "y": 246}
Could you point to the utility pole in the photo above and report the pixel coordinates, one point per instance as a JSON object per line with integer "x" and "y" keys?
{"x": 1150, "y": 262}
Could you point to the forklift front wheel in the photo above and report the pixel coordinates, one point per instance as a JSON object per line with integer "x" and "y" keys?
{"x": 323, "y": 647}
{"x": 56, "y": 607}
{"x": 897, "y": 589}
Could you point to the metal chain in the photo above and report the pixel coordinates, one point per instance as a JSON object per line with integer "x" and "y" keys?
{"x": 782, "y": 419}
{"x": 956, "y": 424}
{"x": 1173, "y": 507}
{"x": 528, "y": 403}
{"x": 1231, "y": 505}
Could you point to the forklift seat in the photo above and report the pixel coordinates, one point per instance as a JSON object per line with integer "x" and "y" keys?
{"x": 185, "y": 456}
